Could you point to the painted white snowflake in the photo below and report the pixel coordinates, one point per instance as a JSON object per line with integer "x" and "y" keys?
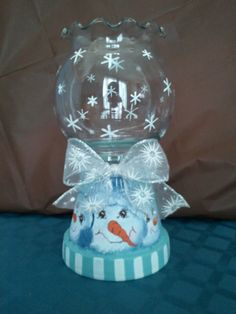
{"x": 147, "y": 54}
{"x": 117, "y": 65}
{"x": 92, "y": 101}
{"x": 113, "y": 62}
{"x": 131, "y": 115}
{"x": 109, "y": 133}
{"x": 78, "y": 159}
{"x": 142, "y": 195}
{"x": 91, "y": 77}
{"x": 78, "y": 54}
{"x": 92, "y": 204}
{"x": 151, "y": 154}
{"x": 61, "y": 88}
{"x": 111, "y": 90}
{"x": 167, "y": 87}
{"x": 135, "y": 98}
{"x": 144, "y": 89}
{"x": 109, "y": 60}
{"x": 82, "y": 114}
{"x": 172, "y": 205}
{"x": 72, "y": 123}
{"x": 150, "y": 122}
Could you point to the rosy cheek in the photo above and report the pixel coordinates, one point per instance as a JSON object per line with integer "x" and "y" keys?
{"x": 74, "y": 217}
{"x": 155, "y": 221}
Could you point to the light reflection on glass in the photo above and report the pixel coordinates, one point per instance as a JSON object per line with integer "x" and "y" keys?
{"x": 114, "y": 98}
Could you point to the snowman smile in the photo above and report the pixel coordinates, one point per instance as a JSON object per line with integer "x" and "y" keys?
{"x": 74, "y": 229}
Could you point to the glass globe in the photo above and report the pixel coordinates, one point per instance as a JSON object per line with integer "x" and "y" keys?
{"x": 111, "y": 91}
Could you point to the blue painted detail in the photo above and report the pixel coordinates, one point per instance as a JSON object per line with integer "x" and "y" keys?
{"x": 85, "y": 237}
{"x": 117, "y": 183}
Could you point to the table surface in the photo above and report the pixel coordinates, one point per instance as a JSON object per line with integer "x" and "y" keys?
{"x": 199, "y": 278}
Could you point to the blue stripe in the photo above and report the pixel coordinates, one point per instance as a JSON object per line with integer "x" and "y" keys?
{"x": 72, "y": 259}
{"x": 129, "y": 268}
{"x": 147, "y": 267}
{"x": 161, "y": 257}
{"x": 109, "y": 271}
{"x": 87, "y": 267}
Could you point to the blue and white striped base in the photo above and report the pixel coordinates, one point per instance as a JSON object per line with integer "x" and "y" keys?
{"x": 119, "y": 266}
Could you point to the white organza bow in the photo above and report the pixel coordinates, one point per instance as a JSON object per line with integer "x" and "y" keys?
{"x": 145, "y": 162}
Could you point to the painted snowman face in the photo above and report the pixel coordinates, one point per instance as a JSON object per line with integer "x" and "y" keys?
{"x": 80, "y": 228}
{"x": 153, "y": 229}
{"x": 116, "y": 228}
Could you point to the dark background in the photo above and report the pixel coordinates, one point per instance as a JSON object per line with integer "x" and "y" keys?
{"x": 199, "y": 55}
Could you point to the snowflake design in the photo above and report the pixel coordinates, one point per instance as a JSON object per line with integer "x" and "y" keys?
{"x": 172, "y": 205}
{"x": 167, "y": 87}
{"x": 72, "y": 123}
{"x": 132, "y": 174}
{"x": 142, "y": 196}
{"x": 111, "y": 90}
{"x": 78, "y": 159}
{"x": 131, "y": 113}
{"x": 135, "y": 98}
{"x": 91, "y": 77}
{"x": 82, "y": 114}
{"x": 112, "y": 62}
{"x": 61, "y": 88}
{"x": 92, "y": 101}
{"x": 147, "y": 54}
{"x": 109, "y": 133}
{"x": 150, "y": 122}
{"x": 92, "y": 175}
{"x": 144, "y": 89}
{"x": 78, "y": 54}
{"x": 152, "y": 154}
{"x": 92, "y": 204}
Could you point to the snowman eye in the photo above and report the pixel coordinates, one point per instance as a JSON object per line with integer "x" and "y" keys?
{"x": 147, "y": 219}
{"x": 81, "y": 218}
{"x": 102, "y": 214}
{"x": 123, "y": 213}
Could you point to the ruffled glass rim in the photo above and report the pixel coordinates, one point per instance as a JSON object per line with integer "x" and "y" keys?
{"x": 67, "y": 31}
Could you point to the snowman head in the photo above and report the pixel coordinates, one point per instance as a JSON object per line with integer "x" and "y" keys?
{"x": 80, "y": 228}
{"x": 117, "y": 227}
{"x": 153, "y": 228}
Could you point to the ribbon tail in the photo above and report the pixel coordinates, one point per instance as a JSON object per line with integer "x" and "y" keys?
{"x": 169, "y": 200}
{"x": 67, "y": 199}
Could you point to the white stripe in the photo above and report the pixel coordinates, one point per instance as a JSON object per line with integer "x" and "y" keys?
{"x": 154, "y": 262}
{"x": 67, "y": 257}
{"x": 119, "y": 269}
{"x": 98, "y": 268}
{"x": 165, "y": 251}
{"x": 78, "y": 263}
{"x": 138, "y": 267}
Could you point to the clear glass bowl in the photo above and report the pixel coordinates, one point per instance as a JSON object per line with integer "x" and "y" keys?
{"x": 111, "y": 91}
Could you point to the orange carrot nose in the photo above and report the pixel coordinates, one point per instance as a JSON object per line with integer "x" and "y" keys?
{"x": 115, "y": 228}
{"x": 155, "y": 221}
